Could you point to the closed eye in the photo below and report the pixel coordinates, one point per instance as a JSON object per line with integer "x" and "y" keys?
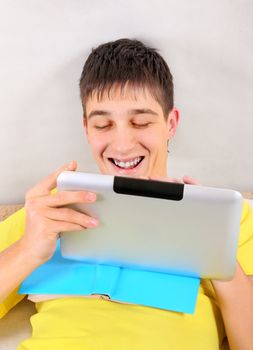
{"x": 141, "y": 125}
{"x": 101, "y": 127}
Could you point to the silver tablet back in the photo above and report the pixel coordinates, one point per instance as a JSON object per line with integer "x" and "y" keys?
{"x": 195, "y": 234}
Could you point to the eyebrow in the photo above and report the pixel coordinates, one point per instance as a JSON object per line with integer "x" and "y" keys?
{"x": 135, "y": 111}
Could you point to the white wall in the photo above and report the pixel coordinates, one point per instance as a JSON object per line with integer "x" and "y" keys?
{"x": 43, "y": 46}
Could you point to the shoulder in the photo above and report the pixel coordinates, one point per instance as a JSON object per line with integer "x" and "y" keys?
{"x": 245, "y": 247}
{"x": 246, "y": 227}
{"x": 12, "y": 228}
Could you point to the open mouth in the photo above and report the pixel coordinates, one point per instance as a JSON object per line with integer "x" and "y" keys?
{"x": 130, "y": 164}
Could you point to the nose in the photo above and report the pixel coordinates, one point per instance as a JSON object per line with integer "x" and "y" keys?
{"x": 123, "y": 140}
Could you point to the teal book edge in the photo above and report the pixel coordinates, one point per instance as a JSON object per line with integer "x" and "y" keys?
{"x": 147, "y": 288}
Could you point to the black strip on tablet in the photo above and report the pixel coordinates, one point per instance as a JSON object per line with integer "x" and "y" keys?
{"x": 148, "y": 188}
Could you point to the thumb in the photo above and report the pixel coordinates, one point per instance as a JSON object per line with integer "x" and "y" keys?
{"x": 72, "y": 166}
{"x": 47, "y": 184}
{"x": 190, "y": 181}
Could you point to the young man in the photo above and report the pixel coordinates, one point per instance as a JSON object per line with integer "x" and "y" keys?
{"x": 129, "y": 118}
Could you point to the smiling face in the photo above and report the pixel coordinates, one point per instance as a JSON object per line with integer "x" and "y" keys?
{"x": 128, "y": 133}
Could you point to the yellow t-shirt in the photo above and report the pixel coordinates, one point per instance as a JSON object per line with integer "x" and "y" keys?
{"x": 11, "y": 230}
{"x": 82, "y": 323}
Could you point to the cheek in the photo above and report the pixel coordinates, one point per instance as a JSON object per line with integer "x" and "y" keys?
{"x": 97, "y": 144}
{"x": 155, "y": 142}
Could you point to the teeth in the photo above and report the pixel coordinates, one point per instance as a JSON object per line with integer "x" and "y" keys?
{"x": 127, "y": 165}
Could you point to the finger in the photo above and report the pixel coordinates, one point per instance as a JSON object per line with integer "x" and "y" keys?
{"x": 61, "y": 226}
{"x": 48, "y": 183}
{"x": 165, "y": 179}
{"x": 70, "y": 216}
{"x": 63, "y": 198}
{"x": 190, "y": 181}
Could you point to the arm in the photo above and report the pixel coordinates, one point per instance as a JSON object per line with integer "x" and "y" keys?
{"x": 235, "y": 300}
{"x": 45, "y": 218}
{"x": 15, "y": 265}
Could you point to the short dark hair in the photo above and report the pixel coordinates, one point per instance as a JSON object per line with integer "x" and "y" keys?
{"x": 127, "y": 61}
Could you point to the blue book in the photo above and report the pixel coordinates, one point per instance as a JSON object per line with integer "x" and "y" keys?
{"x": 148, "y": 288}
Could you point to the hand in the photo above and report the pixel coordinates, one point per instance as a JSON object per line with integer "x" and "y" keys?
{"x": 186, "y": 180}
{"x": 46, "y": 216}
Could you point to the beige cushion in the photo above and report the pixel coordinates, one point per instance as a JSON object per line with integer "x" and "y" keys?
{"x": 7, "y": 210}
{"x": 15, "y": 326}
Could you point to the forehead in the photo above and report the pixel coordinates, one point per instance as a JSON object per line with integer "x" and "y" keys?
{"x": 120, "y": 98}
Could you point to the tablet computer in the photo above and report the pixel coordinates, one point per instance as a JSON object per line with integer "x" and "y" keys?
{"x": 154, "y": 225}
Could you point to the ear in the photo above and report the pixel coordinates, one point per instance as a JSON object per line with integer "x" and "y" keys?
{"x": 172, "y": 122}
{"x": 85, "y": 126}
